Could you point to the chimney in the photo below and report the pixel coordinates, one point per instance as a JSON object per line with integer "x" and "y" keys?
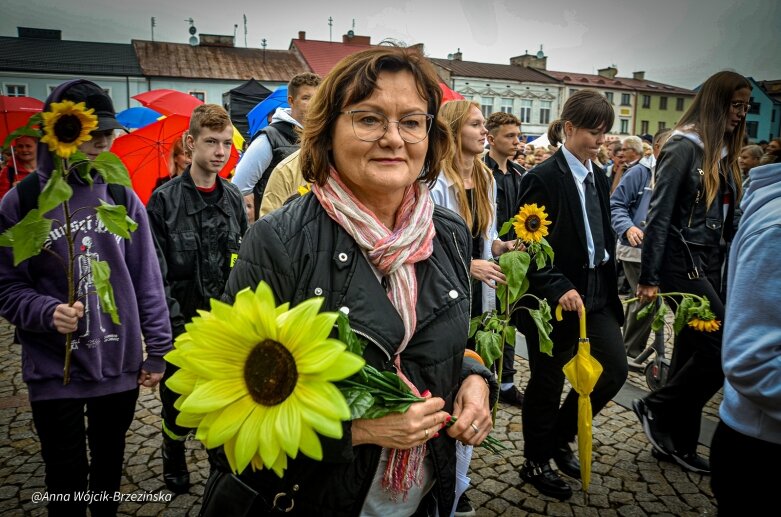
{"x": 638, "y": 75}
{"x": 609, "y": 72}
{"x": 353, "y": 39}
{"x": 302, "y": 35}
{"x": 216, "y": 40}
{"x": 35, "y": 33}
{"x": 456, "y": 56}
{"x": 538, "y": 61}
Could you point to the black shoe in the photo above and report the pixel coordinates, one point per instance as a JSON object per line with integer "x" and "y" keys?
{"x": 692, "y": 462}
{"x": 175, "y": 473}
{"x": 512, "y": 396}
{"x": 542, "y": 477}
{"x": 464, "y": 507}
{"x": 661, "y": 455}
{"x": 567, "y": 462}
{"x": 659, "y": 439}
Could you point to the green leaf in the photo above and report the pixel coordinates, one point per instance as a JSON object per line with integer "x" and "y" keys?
{"x": 27, "y": 236}
{"x": 539, "y": 260}
{"x": 542, "y": 317}
{"x": 514, "y": 265}
{"x": 645, "y": 311}
{"x": 112, "y": 169}
{"x": 359, "y": 400}
{"x": 28, "y": 129}
{"x": 682, "y": 314}
{"x": 509, "y": 335}
{"x": 54, "y": 193}
{"x": 659, "y": 318}
{"x": 488, "y": 345}
{"x": 115, "y": 218}
{"x": 81, "y": 164}
{"x": 506, "y": 227}
{"x": 346, "y": 335}
{"x": 474, "y": 324}
{"x": 100, "y": 276}
{"x": 546, "y": 248}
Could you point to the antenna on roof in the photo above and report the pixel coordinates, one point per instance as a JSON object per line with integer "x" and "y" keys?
{"x": 263, "y": 44}
{"x": 235, "y": 30}
{"x": 154, "y": 22}
{"x": 330, "y": 29}
{"x": 245, "y": 30}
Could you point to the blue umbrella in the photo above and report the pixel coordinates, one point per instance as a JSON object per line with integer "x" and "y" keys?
{"x": 139, "y": 116}
{"x": 258, "y": 116}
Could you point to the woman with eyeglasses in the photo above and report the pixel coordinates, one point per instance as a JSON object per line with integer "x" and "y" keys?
{"x": 690, "y": 222}
{"x": 369, "y": 240}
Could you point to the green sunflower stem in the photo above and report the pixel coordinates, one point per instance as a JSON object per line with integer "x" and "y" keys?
{"x": 69, "y": 274}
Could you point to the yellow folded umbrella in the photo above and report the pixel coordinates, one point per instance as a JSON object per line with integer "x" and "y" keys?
{"x": 582, "y": 371}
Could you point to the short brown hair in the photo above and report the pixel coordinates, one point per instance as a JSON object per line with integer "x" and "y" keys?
{"x": 304, "y": 79}
{"x": 499, "y": 119}
{"x": 353, "y": 79}
{"x": 212, "y": 116}
{"x": 585, "y": 109}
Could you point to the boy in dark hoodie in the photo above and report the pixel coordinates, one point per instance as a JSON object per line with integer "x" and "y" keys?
{"x": 107, "y": 361}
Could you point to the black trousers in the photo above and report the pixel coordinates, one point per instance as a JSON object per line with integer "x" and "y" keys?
{"x": 61, "y": 429}
{"x": 737, "y": 485}
{"x": 548, "y": 424}
{"x": 695, "y": 368}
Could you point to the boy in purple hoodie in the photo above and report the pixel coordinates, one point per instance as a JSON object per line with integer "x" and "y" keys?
{"x": 107, "y": 361}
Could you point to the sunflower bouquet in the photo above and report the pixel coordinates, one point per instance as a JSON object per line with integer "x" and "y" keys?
{"x": 64, "y": 127}
{"x": 691, "y": 310}
{"x": 492, "y": 330}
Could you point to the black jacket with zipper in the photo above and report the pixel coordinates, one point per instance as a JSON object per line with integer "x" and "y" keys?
{"x": 301, "y": 253}
{"x": 679, "y": 213}
{"x": 195, "y": 243}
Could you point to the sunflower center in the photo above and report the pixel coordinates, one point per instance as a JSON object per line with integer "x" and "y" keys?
{"x": 533, "y": 223}
{"x": 270, "y": 373}
{"x": 67, "y": 128}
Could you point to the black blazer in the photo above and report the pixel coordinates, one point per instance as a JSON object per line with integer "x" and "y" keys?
{"x": 551, "y": 184}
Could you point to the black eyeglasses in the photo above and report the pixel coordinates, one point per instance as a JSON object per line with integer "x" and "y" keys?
{"x": 370, "y": 126}
{"x": 740, "y": 107}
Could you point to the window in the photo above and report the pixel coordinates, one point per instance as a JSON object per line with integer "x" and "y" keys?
{"x": 16, "y": 90}
{"x": 643, "y": 127}
{"x": 625, "y": 99}
{"x": 679, "y": 104}
{"x": 526, "y": 111}
{"x": 624, "y": 126}
{"x": 201, "y": 96}
{"x": 662, "y": 125}
{"x": 545, "y": 112}
{"x": 487, "y": 106}
{"x": 662, "y": 103}
{"x": 752, "y": 127}
{"x": 609, "y": 97}
{"x": 507, "y": 105}
{"x": 646, "y": 101}
{"x": 753, "y": 107}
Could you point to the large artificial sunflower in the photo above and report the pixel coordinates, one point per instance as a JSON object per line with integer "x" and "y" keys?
{"x": 704, "y": 325}
{"x": 258, "y": 379}
{"x": 66, "y": 126}
{"x": 531, "y": 223}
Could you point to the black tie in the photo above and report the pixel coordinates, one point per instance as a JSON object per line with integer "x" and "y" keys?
{"x": 594, "y": 213}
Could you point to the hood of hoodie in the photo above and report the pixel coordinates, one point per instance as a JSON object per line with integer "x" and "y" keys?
{"x": 45, "y": 157}
{"x": 283, "y": 115}
{"x": 689, "y": 133}
{"x": 764, "y": 186}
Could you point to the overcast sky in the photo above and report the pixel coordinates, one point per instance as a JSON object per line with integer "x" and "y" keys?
{"x": 680, "y": 42}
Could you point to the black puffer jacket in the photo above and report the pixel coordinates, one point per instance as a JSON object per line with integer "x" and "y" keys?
{"x": 678, "y": 210}
{"x": 195, "y": 243}
{"x": 301, "y": 252}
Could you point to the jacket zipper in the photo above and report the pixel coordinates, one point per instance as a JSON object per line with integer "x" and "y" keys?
{"x": 369, "y": 338}
{"x": 466, "y": 267}
{"x": 696, "y": 199}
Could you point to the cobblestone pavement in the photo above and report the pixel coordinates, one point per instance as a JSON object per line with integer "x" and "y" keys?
{"x": 626, "y": 479}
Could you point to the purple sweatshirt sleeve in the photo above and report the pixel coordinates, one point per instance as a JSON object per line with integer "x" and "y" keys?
{"x": 148, "y": 283}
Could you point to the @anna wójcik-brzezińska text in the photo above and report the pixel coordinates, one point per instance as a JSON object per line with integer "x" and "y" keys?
{"x": 88, "y": 496}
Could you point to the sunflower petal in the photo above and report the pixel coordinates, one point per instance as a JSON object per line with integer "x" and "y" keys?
{"x": 182, "y": 382}
{"x": 322, "y": 397}
{"x": 232, "y": 418}
{"x": 294, "y": 324}
{"x": 280, "y": 465}
{"x": 318, "y": 357}
{"x": 247, "y": 439}
{"x": 309, "y": 443}
{"x": 346, "y": 365}
{"x": 214, "y": 394}
{"x": 269, "y": 446}
{"x": 288, "y": 427}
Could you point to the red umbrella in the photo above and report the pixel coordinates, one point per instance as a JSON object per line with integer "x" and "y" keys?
{"x": 15, "y": 112}
{"x": 146, "y": 153}
{"x": 448, "y": 94}
{"x": 169, "y": 102}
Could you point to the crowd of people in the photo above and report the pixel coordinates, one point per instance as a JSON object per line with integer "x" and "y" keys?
{"x": 370, "y": 192}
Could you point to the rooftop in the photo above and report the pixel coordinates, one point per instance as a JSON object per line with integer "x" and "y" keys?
{"x": 461, "y": 68}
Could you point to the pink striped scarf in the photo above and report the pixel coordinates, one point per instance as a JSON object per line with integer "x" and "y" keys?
{"x": 394, "y": 254}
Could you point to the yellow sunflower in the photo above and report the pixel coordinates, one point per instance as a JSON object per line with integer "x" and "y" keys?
{"x": 67, "y": 126}
{"x": 258, "y": 379}
{"x": 704, "y": 325}
{"x": 531, "y": 223}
